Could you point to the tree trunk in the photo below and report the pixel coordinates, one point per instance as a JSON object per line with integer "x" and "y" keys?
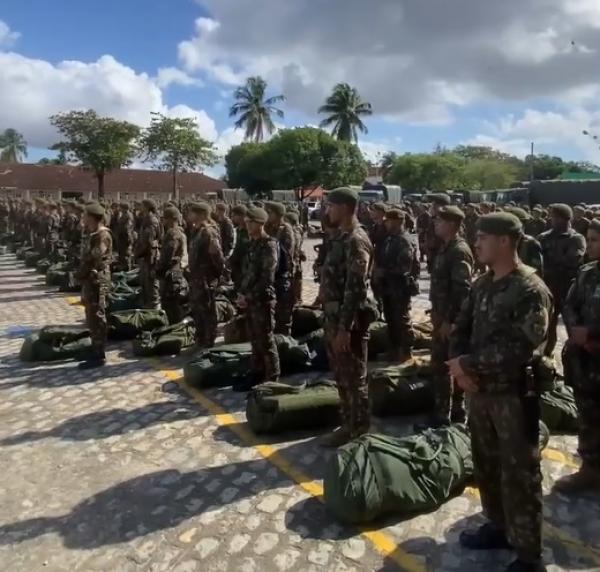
{"x": 100, "y": 176}
{"x": 175, "y": 186}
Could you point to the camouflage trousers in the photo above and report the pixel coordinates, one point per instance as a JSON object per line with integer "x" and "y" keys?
{"x": 559, "y": 302}
{"x": 297, "y": 287}
{"x": 173, "y": 295}
{"x": 203, "y": 310}
{"x": 284, "y": 308}
{"x": 587, "y": 399}
{"x": 93, "y": 296}
{"x": 350, "y": 373}
{"x": 449, "y": 398}
{"x": 149, "y": 284}
{"x": 396, "y": 310}
{"x": 506, "y": 458}
{"x": 260, "y": 319}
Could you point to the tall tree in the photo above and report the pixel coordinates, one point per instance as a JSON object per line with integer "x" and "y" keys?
{"x": 99, "y": 144}
{"x": 174, "y": 144}
{"x": 13, "y": 146}
{"x": 345, "y": 108}
{"x": 254, "y": 112}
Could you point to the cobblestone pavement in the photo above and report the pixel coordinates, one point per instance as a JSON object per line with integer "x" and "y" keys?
{"x": 120, "y": 470}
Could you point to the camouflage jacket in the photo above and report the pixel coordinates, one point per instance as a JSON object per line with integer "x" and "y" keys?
{"x": 227, "y": 232}
{"x": 148, "y": 244}
{"x": 470, "y": 225}
{"x": 206, "y": 260}
{"x": 530, "y": 253}
{"x": 582, "y": 307}
{"x": 284, "y": 234}
{"x": 451, "y": 276}
{"x": 397, "y": 264}
{"x": 378, "y": 235}
{"x": 298, "y": 242}
{"x": 534, "y": 227}
{"x": 563, "y": 255}
{"x": 173, "y": 253}
{"x": 260, "y": 263}
{"x": 53, "y": 227}
{"x": 236, "y": 260}
{"x": 344, "y": 277}
{"x": 96, "y": 257}
{"x": 125, "y": 229}
{"x": 500, "y": 328}
{"x": 581, "y": 225}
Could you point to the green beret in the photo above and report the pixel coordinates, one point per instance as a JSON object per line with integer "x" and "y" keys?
{"x": 95, "y": 209}
{"x": 381, "y": 207}
{"x": 395, "y": 214}
{"x": 150, "y": 205}
{"x": 562, "y": 210}
{"x": 451, "y": 213}
{"x": 172, "y": 213}
{"x": 500, "y": 224}
{"x": 292, "y": 217}
{"x": 256, "y": 214}
{"x": 343, "y": 196}
{"x": 441, "y": 199}
{"x": 520, "y": 213}
{"x": 595, "y": 225}
{"x": 239, "y": 210}
{"x": 579, "y": 208}
{"x": 537, "y": 209}
{"x": 275, "y": 207}
{"x": 200, "y": 208}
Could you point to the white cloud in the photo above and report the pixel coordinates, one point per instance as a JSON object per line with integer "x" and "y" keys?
{"x": 374, "y": 151}
{"x": 7, "y": 36}
{"x": 169, "y": 76}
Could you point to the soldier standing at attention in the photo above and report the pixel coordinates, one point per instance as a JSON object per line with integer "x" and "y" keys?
{"x": 284, "y": 234}
{"x": 257, "y": 297}
{"x": 398, "y": 285}
{"x": 563, "y": 250}
{"x": 114, "y": 225}
{"x": 125, "y": 237}
{"x": 206, "y": 267}
{"x": 530, "y": 250}
{"x": 432, "y": 242}
{"x": 451, "y": 275}
{"x": 580, "y": 222}
{"x": 536, "y": 224}
{"x": 227, "y": 233}
{"x": 582, "y": 318}
{"x": 147, "y": 252}
{"x": 343, "y": 295}
{"x": 377, "y": 235}
{"x": 299, "y": 257}
{"x": 236, "y": 260}
{"x": 501, "y": 329}
{"x": 52, "y": 231}
{"x": 94, "y": 275}
{"x": 173, "y": 261}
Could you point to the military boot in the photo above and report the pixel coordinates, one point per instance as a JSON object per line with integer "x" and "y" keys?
{"x": 486, "y": 537}
{"x": 585, "y": 479}
{"x": 521, "y": 566}
{"x": 335, "y": 439}
{"x": 97, "y": 359}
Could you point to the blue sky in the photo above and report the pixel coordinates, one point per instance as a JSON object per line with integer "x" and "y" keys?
{"x": 473, "y": 75}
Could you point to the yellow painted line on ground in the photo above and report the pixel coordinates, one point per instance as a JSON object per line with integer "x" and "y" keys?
{"x": 73, "y": 300}
{"x": 560, "y": 457}
{"x": 382, "y": 542}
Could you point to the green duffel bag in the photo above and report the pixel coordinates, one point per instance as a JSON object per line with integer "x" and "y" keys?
{"x": 130, "y": 278}
{"x": 56, "y": 343}
{"x": 305, "y": 320}
{"x": 559, "y": 411}
{"x": 379, "y": 341}
{"x": 230, "y": 363}
{"x": 376, "y": 475}
{"x": 127, "y": 324}
{"x": 402, "y": 390}
{"x": 32, "y": 258}
{"x": 120, "y": 300}
{"x": 277, "y": 407}
{"x": 43, "y": 265}
{"x": 56, "y": 272}
{"x": 21, "y": 252}
{"x": 166, "y": 341}
{"x": 423, "y": 335}
{"x": 315, "y": 341}
{"x": 225, "y": 309}
{"x": 236, "y": 330}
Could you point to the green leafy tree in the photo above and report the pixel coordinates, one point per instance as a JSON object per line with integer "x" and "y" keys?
{"x": 487, "y": 174}
{"x": 100, "y": 144}
{"x": 387, "y": 163}
{"x": 60, "y": 159}
{"x": 344, "y": 109}
{"x": 13, "y": 147}
{"x": 254, "y": 112}
{"x": 174, "y": 144}
{"x": 427, "y": 172}
{"x": 546, "y": 167}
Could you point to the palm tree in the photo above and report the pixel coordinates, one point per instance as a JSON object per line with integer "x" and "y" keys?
{"x": 345, "y": 106}
{"x": 254, "y": 110}
{"x": 13, "y": 145}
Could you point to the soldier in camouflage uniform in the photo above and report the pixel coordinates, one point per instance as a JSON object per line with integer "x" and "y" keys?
{"x": 173, "y": 261}
{"x": 536, "y": 224}
{"x": 284, "y": 234}
{"x": 432, "y": 242}
{"x": 206, "y": 267}
{"x": 423, "y": 220}
{"x": 564, "y": 250}
{"x": 94, "y": 275}
{"x": 4, "y": 212}
{"x": 580, "y": 222}
{"x": 499, "y": 334}
{"x": 227, "y": 234}
{"x": 343, "y": 295}
{"x": 530, "y": 250}
{"x": 397, "y": 285}
{"x": 52, "y": 232}
{"x": 377, "y": 235}
{"x": 451, "y": 275}
{"x": 236, "y": 260}
{"x": 257, "y": 297}
{"x": 582, "y": 365}
{"x": 147, "y": 254}
{"x": 125, "y": 237}
{"x": 299, "y": 256}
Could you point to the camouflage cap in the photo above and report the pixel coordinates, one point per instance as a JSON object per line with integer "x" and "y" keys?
{"x": 395, "y": 214}
{"x": 150, "y": 205}
{"x": 124, "y": 205}
{"x": 579, "y": 208}
{"x": 240, "y": 210}
{"x": 451, "y": 213}
{"x": 343, "y": 196}
{"x": 441, "y": 199}
{"x": 172, "y": 213}
{"x": 500, "y": 224}
{"x": 537, "y": 209}
{"x": 381, "y": 207}
{"x": 95, "y": 209}
{"x": 595, "y": 225}
{"x": 200, "y": 208}
{"x": 275, "y": 208}
{"x": 520, "y": 213}
{"x": 562, "y": 210}
{"x": 292, "y": 217}
{"x": 256, "y": 214}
